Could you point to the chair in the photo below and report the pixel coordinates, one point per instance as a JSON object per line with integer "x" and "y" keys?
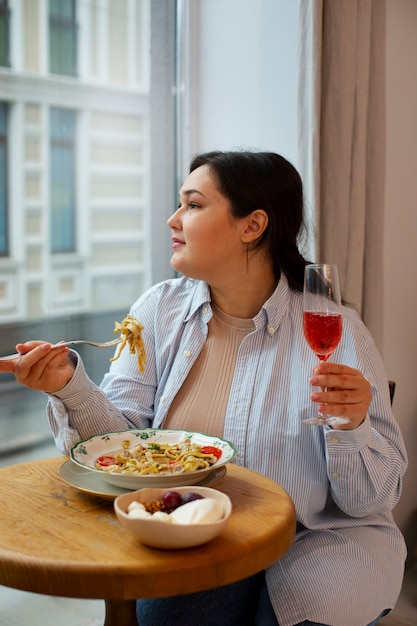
{"x": 392, "y": 385}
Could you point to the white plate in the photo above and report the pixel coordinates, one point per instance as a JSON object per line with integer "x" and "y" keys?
{"x": 85, "y": 453}
{"x": 88, "y": 482}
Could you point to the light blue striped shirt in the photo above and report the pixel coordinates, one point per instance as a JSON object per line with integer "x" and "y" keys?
{"x": 347, "y": 561}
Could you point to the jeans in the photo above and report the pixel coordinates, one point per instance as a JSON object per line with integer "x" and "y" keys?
{"x": 245, "y": 603}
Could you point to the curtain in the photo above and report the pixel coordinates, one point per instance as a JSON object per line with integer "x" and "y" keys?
{"x": 342, "y": 142}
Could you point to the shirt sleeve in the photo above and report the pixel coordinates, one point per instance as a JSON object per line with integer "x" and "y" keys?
{"x": 366, "y": 465}
{"x": 82, "y": 408}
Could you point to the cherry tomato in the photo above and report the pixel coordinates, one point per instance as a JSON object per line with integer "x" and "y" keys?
{"x": 106, "y": 460}
{"x": 212, "y": 450}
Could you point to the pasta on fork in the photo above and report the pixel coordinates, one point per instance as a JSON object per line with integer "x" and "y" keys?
{"x": 130, "y": 330}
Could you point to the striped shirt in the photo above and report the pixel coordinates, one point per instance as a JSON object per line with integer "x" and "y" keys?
{"x": 347, "y": 561}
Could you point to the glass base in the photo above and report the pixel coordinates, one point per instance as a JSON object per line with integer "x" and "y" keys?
{"x": 326, "y": 420}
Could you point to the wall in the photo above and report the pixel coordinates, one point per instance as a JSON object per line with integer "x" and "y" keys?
{"x": 245, "y": 98}
{"x": 400, "y": 242}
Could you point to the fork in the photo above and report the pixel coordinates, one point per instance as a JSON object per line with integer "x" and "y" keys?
{"x": 96, "y": 344}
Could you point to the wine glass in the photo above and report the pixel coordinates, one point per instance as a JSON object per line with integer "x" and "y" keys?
{"x": 322, "y": 320}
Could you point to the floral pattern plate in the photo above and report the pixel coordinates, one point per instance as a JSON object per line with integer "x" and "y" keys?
{"x": 90, "y": 483}
{"x": 85, "y": 453}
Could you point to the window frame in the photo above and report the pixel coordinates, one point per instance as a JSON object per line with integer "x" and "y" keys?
{"x": 4, "y": 212}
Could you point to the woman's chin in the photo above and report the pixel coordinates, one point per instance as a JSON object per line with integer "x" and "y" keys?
{"x": 181, "y": 268}
{"x": 175, "y": 265}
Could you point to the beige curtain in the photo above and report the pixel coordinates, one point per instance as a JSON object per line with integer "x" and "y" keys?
{"x": 341, "y": 142}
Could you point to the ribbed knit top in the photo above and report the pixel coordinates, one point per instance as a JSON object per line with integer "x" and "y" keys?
{"x": 201, "y": 403}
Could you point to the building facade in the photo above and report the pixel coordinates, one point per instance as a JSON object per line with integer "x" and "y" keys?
{"x": 74, "y": 156}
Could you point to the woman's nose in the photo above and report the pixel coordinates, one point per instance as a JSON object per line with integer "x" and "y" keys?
{"x": 174, "y": 220}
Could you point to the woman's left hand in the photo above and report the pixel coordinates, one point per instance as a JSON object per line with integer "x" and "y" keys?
{"x": 347, "y": 394}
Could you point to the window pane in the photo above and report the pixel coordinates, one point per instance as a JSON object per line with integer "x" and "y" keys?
{"x": 62, "y": 37}
{"x": 3, "y": 179}
{"x": 62, "y": 178}
{"x": 62, "y": 9}
{"x": 4, "y": 33}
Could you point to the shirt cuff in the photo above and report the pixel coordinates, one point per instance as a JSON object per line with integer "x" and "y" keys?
{"x": 75, "y": 391}
{"x": 343, "y": 441}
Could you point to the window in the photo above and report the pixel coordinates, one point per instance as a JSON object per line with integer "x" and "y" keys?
{"x": 88, "y": 162}
{"x": 62, "y": 37}
{"x": 62, "y": 180}
{"x": 3, "y": 180}
{"x": 4, "y": 32}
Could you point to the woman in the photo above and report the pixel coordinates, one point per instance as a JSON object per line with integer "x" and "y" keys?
{"x": 226, "y": 355}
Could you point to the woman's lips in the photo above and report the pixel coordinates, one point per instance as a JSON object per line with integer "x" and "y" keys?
{"x": 176, "y": 243}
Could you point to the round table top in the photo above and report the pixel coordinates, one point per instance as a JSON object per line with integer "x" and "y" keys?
{"x": 57, "y": 540}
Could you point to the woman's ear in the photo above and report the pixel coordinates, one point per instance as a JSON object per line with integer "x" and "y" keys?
{"x": 256, "y": 223}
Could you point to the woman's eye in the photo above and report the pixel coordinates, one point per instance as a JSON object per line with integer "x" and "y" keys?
{"x": 188, "y": 205}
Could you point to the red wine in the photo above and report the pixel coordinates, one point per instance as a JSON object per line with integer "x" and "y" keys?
{"x": 323, "y": 332}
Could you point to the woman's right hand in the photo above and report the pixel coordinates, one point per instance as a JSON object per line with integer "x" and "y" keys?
{"x": 39, "y": 367}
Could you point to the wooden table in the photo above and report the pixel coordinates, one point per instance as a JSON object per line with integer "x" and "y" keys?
{"x": 57, "y": 540}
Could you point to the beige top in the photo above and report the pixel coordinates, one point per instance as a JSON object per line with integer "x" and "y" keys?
{"x": 201, "y": 403}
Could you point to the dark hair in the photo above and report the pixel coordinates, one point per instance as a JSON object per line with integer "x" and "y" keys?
{"x": 264, "y": 180}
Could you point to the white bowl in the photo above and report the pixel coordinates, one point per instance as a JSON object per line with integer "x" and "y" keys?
{"x": 162, "y": 534}
{"x": 85, "y": 453}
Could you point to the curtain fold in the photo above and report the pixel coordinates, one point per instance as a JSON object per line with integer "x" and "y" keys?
{"x": 342, "y": 142}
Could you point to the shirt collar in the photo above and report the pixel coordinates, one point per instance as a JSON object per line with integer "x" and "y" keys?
{"x": 200, "y": 299}
{"x": 274, "y": 308}
{"x": 269, "y": 316}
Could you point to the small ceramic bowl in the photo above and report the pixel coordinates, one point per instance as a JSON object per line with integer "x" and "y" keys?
{"x": 162, "y": 534}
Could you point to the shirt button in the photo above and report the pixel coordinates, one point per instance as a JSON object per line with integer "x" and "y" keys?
{"x": 335, "y": 475}
{"x": 162, "y": 399}
{"x": 271, "y": 330}
{"x": 186, "y": 353}
{"x": 334, "y": 440}
{"x": 205, "y": 309}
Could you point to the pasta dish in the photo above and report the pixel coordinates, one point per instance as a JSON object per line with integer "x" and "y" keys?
{"x": 159, "y": 458}
{"x": 130, "y": 330}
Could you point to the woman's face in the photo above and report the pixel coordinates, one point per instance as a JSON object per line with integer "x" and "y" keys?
{"x": 206, "y": 238}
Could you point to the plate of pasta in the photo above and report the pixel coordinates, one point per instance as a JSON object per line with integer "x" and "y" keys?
{"x": 151, "y": 457}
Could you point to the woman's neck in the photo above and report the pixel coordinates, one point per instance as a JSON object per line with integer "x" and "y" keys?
{"x": 246, "y": 298}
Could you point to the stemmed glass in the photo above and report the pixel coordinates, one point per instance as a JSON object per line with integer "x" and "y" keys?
{"x": 322, "y": 320}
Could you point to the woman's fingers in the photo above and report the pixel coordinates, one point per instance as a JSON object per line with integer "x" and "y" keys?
{"x": 344, "y": 391}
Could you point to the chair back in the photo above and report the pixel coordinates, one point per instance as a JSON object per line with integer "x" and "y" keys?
{"x": 392, "y": 385}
